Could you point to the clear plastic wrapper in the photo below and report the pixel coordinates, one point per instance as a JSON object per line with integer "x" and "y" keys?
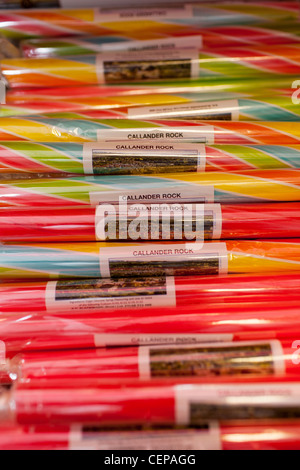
{"x": 240, "y": 109}
{"x": 106, "y": 260}
{"x": 228, "y": 36}
{"x": 92, "y": 294}
{"x": 247, "y": 186}
{"x": 128, "y": 158}
{"x": 154, "y": 222}
{"x": 65, "y": 99}
{"x": 41, "y": 128}
{"x": 143, "y": 21}
{"x": 207, "y": 437}
{"x": 168, "y": 404}
{"x": 105, "y": 68}
{"x": 129, "y": 67}
{"x": 165, "y": 325}
{"x": 89, "y": 367}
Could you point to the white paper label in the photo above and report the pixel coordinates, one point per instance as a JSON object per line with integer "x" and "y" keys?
{"x": 202, "y": 134}
{"x": 116, "y": 339}
{"x": 174, "y": 194}
{"x": 227, "y": 110}
{"x": 212, "y": 360}
{"x": 103, "y": 15}
{"x": 208, "y": 438}
{"x": 240, "y": 401}
{"x": 2, "y": 92}
{"x": 135, "y": 158}
{"x": 98, "y": 294}
{"x": 113, "y": 223}
{"x": 181, "y": 42}
{"x": 169, "y": 258}
{"x": 132, "y": 66}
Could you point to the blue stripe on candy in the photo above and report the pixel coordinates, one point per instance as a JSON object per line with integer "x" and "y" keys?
{"x": 75, "y": 150}
{"x": 46, "y": 260}
{"x": 265, "y": 111}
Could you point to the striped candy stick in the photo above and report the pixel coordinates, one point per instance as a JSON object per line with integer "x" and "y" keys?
{"x": 68, "y": 22}
{"x": 87, "y": 259}
{"x": 67, "y": 157}
{"x": 212, "y": 37}
{"x": 240, "y": 109}
{"x": 43, "y": 129}
{"x": 279, "y": 108}
{"x": 248, "y": 62}
{"x": 277, "y": 185}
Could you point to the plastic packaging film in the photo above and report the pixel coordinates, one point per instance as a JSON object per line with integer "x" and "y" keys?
{"x": 241, "y": 109}
{"x": 168, "y": 404}
{"x": 102, "y": 260}
{"x": 134, "y": 158}
{"x": 144, "y": 326}
{"x": 218, "y": 187}
{"x": 129, "y": 67}
{"x": 183, "y": 221}
{"x": 235, "y": 35}
{"x": 96, "y": 22}
{"x": 85, "y": 295}
{"x": 45, "y": 129}
{"x": 209, "y": 437}
{"x": 212, "y": 361}
{"x": 184, "y": 106}
{"x": 150, "y": 335}
{"x": 57, "y": 99}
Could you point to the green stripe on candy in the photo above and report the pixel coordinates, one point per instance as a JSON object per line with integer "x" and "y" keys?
{"x": 253, "y": 156}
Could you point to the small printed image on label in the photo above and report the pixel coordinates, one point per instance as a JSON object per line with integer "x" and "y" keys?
{"x": 124, "y": 158}
{"x": 212, "y": 360}
{"x": 183, "y": 194}
{"x": 129, "y": 66}
{"x": 178, "y": 259}
{"x": 206, "y": 437}
{"x": 181, "y": 42}
{"x": 200, "y": 134}
{"x": 235, "y": 402}
{"x": 227, "y": 110}
{"x": 2, "y": 92}
{"x": 104, "y": 15}
{"x": 139, "y": 339}
{"x": 160, "y": 222}
{"x": 97, "y": 294}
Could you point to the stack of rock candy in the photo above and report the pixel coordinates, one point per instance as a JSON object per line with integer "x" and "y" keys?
{"x": 150, "y": 227}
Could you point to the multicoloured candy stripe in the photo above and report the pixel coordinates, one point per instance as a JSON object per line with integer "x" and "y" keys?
{"x": 248, "y": 62}
{"x": 241, "y": 109}
{"x": 241, "y": 186}
{"x": 226, "y": 35}
{"x": 84, "y": 260}
{"x": 67, "y": 157}
{"x": 88, "y": 98}
{"x": 42, "y": 129}
{"x": 77, "y": 22}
